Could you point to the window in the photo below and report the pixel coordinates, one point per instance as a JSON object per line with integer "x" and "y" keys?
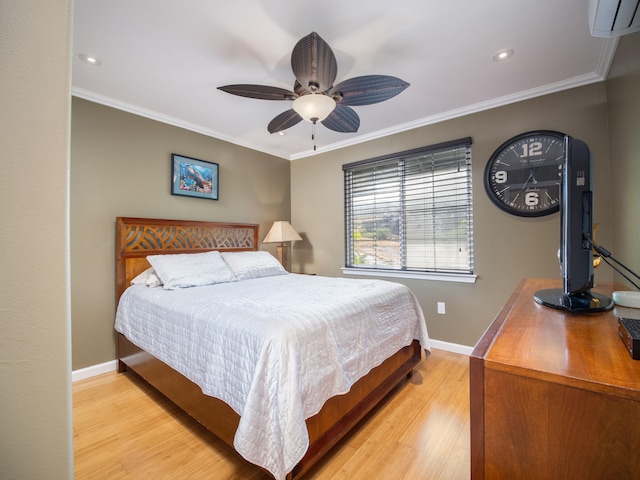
{"x": 411, "y": 212}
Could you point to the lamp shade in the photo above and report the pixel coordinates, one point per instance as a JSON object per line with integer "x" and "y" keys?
{"x": 281, "y": 231}
{"x": 314, "y": 107}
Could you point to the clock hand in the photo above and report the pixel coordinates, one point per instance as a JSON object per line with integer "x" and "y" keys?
{"x": 532, "y": 171}
{"x": 531, "y": 179}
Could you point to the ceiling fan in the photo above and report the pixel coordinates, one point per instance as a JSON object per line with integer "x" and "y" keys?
{"x": 314, "y": 96}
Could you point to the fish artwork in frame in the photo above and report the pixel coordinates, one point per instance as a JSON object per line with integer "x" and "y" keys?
{"x": 194, "y": 178}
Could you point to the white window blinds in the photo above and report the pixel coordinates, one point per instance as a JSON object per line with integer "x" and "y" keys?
{"x": 411, "y": 211}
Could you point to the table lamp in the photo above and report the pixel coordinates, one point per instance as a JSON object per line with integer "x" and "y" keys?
{"x": 281, "y": 232}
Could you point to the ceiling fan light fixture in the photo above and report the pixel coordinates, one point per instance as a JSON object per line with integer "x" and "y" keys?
{"x": 315, "y": 96}
{"x": 314, "y": 107}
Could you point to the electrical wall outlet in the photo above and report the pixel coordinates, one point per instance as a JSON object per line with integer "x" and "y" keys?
{"x": 441, "y": 309}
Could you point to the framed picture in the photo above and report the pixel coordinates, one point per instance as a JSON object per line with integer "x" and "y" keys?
{"x": 193, "y": 178}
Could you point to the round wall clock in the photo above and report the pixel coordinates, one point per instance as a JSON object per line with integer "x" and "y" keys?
{"x": 523, "y": 175}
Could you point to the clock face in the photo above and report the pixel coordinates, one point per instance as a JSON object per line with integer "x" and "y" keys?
{"x": 523, "y": 175}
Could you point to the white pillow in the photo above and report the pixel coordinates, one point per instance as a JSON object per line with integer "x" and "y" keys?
{"x": 148, "y": 278}
{"x": 184, "y": 270}
{"x": 247, "y": 265}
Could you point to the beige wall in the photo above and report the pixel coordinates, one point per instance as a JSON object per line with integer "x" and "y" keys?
{"x": 120, "y": 166}
{"x": 623, "y": 94}
{"x": 507, "y": 248}
{"x": 35, "y": 373}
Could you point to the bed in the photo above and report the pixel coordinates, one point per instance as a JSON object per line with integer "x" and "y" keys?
{"x": 304, "y": 422}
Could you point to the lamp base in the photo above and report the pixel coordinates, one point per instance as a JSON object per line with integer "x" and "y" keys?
{"x": 282, "y": 256}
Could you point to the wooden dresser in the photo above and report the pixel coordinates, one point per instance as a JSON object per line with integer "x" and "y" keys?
{"x": 554, "y": 395}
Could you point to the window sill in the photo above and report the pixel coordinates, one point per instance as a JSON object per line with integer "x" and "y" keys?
{"x": 441, "y": 277}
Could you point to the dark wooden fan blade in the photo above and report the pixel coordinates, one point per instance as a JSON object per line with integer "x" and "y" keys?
{"x": 283, "y": 121}
{"x": 367, "y": 89}
{"x": 343, "y": 119}
{"x": 261, "y": 92}
{"x": 313, "y": 63}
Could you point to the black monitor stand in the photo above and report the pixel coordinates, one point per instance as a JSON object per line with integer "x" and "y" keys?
{"x": 583, "y": 302}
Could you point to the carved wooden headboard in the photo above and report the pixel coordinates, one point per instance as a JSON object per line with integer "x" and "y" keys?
{"x": 138, "y": 237}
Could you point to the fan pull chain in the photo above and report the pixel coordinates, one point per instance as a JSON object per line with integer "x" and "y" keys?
{"x": 313, "y": 135}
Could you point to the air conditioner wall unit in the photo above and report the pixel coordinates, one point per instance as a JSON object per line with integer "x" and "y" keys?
{"x": 612, "y": 18}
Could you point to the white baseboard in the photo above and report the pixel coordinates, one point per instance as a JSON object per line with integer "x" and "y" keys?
{"x": 451, "y": 347}
{"x": 94, "y": 370}
{"x": 111, "y": 366}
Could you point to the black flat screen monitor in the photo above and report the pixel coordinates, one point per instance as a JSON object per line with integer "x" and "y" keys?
{"x": 576, "y": 224}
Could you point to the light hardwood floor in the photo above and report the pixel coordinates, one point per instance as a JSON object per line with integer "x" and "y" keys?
{"x": 123, "y": 429}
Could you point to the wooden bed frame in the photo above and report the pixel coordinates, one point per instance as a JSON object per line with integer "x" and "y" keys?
{"x": 138, "y": 237}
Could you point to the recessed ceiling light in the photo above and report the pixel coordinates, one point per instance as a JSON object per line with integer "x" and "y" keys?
{"x": 90, "y": 59}
{"x": 502, "y": 55}
{"x": 282, "y": 133}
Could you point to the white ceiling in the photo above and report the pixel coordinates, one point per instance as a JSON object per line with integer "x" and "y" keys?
{"x": 163, "y": 59}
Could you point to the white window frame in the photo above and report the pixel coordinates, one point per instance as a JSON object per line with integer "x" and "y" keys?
{"x": 413, "y": 199}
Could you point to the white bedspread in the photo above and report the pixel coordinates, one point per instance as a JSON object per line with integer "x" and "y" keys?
{"x": 275, "y": 348}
